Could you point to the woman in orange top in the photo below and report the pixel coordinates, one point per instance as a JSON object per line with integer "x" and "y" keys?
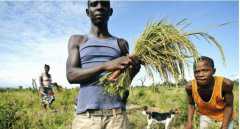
{"x": 211, "y": 95}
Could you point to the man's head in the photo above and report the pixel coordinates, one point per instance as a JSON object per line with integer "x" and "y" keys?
{"x": 46, "y": 68}
{"x": 99, "y": 11}
{"x": 204, "y": 70}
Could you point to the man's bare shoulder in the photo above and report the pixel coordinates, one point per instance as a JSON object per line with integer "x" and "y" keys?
{"x": 227, "y": 85}
{"x": 188, "y": 89}
{"x": 188, "y": 86}
{"x": 123, "y": 40}
{"x": 76, "y": 39}
{"x": 123, "y": 44}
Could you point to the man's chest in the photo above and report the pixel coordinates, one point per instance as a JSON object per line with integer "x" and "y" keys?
{"x": 205, "y": 93}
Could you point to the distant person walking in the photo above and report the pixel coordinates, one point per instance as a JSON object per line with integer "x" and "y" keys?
{"x": 45, "y": 89}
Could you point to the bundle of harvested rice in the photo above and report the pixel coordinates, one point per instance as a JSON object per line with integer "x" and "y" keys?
{"x": 162, "y": 48}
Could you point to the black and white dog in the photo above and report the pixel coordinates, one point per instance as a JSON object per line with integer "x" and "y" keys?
{"x": 159, "y": 117}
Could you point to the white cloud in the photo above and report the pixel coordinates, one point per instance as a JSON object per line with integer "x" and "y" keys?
{"x": 34, "y": 34}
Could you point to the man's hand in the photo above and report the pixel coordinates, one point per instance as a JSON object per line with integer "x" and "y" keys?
{"x": 117, "y": 64}
{"x": 42, "y": 93}
{"x": 134, "y": 65}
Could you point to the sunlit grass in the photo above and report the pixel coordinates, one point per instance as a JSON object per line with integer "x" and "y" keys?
{"x": 21, "y": 109}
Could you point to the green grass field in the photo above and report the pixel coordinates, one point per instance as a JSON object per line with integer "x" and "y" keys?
{"x": 164, "y": 99}
{"x": 20, "y": 109}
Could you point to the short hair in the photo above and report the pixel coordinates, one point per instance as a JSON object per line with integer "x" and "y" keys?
{"x": 145, "y": 108}
{"x": 46, "y": 65}
{"x": 108, "y": 1}
{"x": 204, "y": 58}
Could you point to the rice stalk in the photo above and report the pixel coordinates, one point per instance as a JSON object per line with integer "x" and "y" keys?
{"x": 162, "y": 48}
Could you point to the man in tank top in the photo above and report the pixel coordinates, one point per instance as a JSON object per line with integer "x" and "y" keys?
{"x": 89, "y": 58}
{"x": 211, "y": 96}
{"x": 45, "y": 89}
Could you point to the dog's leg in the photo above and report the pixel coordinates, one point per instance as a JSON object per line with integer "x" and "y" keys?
{"x": 149, "y": 124}
{"x": 167, "y": 123}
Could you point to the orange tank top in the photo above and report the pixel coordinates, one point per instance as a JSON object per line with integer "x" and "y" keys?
{"x": 215, "y": 106}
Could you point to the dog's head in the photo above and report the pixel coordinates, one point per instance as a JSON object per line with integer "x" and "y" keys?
{"x": 144, "y": 112}
{"x": 145, "y": 108}
{"x": 174, "y": 111}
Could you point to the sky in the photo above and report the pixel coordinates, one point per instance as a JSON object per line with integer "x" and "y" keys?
{"x": 34, "y": 33}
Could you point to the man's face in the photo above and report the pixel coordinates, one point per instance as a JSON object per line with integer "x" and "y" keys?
{"x": 46, "y": 69}
{"x": 99, "y": 11}
{"x": 203, "y": 73}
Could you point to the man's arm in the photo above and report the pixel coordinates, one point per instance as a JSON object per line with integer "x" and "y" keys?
{"x": 41, "y": 81}
{"x": 40, "y": 91}
{"x": 228, "y": 98}
{"x": 76, "y": 74}
{"x": 191, "y": 107}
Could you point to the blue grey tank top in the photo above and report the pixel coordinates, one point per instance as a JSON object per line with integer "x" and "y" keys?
{"x": 94, "y": 52}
